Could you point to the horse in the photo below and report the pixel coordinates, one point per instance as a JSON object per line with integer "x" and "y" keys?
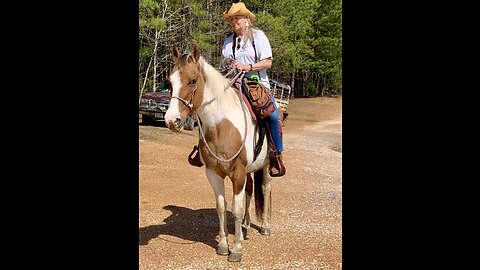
{"x": 226, "y": 146}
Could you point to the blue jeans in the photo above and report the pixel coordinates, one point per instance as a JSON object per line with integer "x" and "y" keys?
{"x": 275, "y": 129}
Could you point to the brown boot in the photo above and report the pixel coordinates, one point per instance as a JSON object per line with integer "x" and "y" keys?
{"x": 195, "y": 161}
{"x": 276, "y": 162}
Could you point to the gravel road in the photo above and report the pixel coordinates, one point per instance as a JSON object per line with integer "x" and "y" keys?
{"x": 178, "y": 223}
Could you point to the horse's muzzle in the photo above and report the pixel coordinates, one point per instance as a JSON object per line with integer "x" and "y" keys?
{"x": 175, "y": 125}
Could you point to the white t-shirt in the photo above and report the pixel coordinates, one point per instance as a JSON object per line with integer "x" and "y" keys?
{"x": 246, "y": 55}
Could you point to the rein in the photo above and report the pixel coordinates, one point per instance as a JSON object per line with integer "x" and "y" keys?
{"x": 241, "y": 74}
{"x": 189, "y": 103}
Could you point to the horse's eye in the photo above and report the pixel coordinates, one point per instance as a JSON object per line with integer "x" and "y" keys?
{"x": 193, "y": 81}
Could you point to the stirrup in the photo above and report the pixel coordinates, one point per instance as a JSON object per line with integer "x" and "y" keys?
{"x": 195, "y": 161}
{"x": 276, "y": 163}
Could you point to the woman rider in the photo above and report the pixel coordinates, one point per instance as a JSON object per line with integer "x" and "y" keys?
{"x": 251, "y": 50}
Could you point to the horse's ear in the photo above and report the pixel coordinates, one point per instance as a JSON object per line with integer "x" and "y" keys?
{"x": 175, "y": 54}
{"x": 196, "y": 52}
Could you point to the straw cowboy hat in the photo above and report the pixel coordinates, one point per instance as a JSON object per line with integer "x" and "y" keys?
{"x": 238, "y": 9}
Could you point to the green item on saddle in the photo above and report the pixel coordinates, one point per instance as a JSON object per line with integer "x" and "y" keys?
{"x": 254, "y": 77}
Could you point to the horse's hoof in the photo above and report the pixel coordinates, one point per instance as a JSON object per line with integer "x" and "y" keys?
{"x": 222, "y": 250}
{"x": 235, "y": 257}
{"x": 265, "y": 231}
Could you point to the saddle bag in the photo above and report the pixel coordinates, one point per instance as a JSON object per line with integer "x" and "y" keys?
{"x": 260, "y": 98}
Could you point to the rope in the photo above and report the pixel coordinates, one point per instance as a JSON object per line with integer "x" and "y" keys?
{"x": 244, "y": 117}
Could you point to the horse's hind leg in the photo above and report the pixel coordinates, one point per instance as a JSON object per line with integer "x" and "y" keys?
{"x": 248, "y": 197}
{"x": 218, "y": 185}
{"x": 263, "y": 202}
{"x": 267, "y": 209}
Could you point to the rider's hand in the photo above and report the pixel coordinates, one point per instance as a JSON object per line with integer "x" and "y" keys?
{"x": 241, "y": 66}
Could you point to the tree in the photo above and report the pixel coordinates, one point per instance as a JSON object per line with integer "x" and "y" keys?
{"x": 305, "y": 35}
{"x": 327, "y": 45}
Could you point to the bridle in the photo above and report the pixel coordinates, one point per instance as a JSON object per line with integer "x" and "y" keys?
{"x": 189, "y": 104}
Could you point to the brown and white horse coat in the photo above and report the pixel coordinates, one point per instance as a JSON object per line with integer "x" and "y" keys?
{"x": 198, "y": 88}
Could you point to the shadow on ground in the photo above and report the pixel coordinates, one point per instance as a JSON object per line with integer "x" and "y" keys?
{"x": 199, "y": 225}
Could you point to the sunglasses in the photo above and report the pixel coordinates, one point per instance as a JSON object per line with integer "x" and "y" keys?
{"x": 238, "y": 43}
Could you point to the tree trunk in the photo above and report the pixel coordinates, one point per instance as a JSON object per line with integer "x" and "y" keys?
{"x": 146, "y": 76}
{"x": 305, "y": 78}
{"x": 322, "y": 85}
{"x": 155, "y": 48}
{"x": 292, "y": 84}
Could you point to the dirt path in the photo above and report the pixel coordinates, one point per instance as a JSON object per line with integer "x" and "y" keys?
{"x": 178, "y": 223}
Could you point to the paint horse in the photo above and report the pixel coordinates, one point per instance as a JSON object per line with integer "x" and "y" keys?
{"x": 226, "y": 146}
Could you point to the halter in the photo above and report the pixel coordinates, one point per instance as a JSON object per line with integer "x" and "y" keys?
{"x": 185, "y": 102}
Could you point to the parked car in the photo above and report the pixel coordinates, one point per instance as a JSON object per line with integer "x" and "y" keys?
{"x": 153, "y": 106}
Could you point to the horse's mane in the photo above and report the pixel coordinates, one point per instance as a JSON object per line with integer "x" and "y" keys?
{"x": 217, "y": 83}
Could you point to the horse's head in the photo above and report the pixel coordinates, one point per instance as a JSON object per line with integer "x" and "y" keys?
{"x": 188, "y": 83}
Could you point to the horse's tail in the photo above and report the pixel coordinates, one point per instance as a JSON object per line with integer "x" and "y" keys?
{"x": 259, "y": 196}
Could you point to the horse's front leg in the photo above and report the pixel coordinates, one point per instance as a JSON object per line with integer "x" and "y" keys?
{"x": 218, "y": 185}
{"x": 238, "y": 178}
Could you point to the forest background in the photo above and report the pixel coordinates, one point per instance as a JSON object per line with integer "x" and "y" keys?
{"x": 305, "y": 36}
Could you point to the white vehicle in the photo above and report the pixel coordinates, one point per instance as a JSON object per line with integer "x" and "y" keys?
{"x": 281, "y": 94}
